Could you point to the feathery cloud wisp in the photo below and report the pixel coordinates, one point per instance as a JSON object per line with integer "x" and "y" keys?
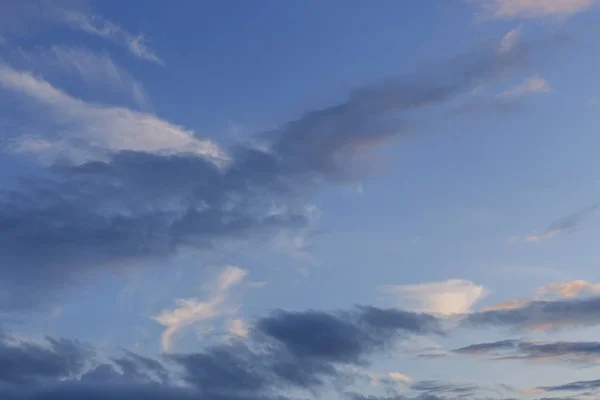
{"x": 509, "y": 41}
{"x": 533, "y": 85}
{"x": 570, "y": 222}
{"x": 506, "y": 9}
{"x": 569, "y": 289}
{"x": 101, "y": 27}
{"x": 191, "y": 311}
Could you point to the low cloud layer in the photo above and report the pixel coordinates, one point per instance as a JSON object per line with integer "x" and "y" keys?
{"x": 286, "y": 350}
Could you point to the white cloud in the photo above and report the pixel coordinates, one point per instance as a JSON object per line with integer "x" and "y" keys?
{"x": 507, "y": 305}
{"x": 421, "y": 347}
{"x": 448, "y": 297}
{"x": 238, "y": 328}
{"x": 191, "y": 311}
{"x": 398, "y": 377}
{"x": 569, "y": 289}
{"x": 538, "y": 238}
{"x": 547, "y": 292}
{"x": 101, "y": 128}
{"x": 534, "y": 8}
{"x": 533, "y": 85}
{"x": 101, "y": 27}
{"x": 95, "y": 69}
{"x": 509, "y": 41}
{"x": 394, "y": 379}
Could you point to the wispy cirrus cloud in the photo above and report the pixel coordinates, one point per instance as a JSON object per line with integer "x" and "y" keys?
{"x": 19, "y": 18}
{"x": 508, "y": 9}
{"x": 507, "y": 305}
{"x": 98, "y": 26}
{"x": 533, "y": 85}
{"x": 509, "y": 41}
{"x": 569, "y": 289}
{"x": 98, "y": 72}
{"x": 549, "y": 292}
{"x": 98, "y": 69}
{"x": 191, "y": 311}
{"x": 390, "y": 381}
{"x": 567, "y": 223}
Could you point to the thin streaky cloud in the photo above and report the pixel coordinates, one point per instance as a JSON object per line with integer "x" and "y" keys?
{"x": 507, "y": 305}
{"x": 509, "y": 41}
{"x": 512, "y": 9}
{"x": 98, "y": 26}
{"x": 549, "y": 292}
{"x": 535, "y": 84}
{"x": 97, "y": 70}
{"x": 578, "y": 352}
{"x": 568, "y": 223}
{"x": 540, "y": 315}
{"x": 102, "y": 69}
{"x": 569, "y": 289}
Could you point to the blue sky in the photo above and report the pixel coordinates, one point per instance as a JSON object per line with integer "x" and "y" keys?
{"x": 319, "y": 199}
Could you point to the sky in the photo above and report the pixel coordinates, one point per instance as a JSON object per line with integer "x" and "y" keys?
{"x": 278, "y": 200}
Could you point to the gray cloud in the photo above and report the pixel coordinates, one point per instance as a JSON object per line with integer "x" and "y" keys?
{"x": 136, "y": 206}
{"x": 486, "y": 348}
{"x": 579, "y": 352}
{"x": 568, "y": 223}
{"x": 131, "y": 369}
{"x": 77, "y": 391}
{"x": 29, "y": 363}
{"x": 572, "y": 386}
{"x": 302, "y": 349}
{"x": 287, "y": 350}
{"x": 571, "y": 221}
{"x": 439, "y": 390}
{"x": 540, "y": 315}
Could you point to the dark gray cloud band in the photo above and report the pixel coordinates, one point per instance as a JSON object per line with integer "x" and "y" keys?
{"x": 287, "y": 350}
{"x": 559, "y": 352}
{"x": 540, "y": 315}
